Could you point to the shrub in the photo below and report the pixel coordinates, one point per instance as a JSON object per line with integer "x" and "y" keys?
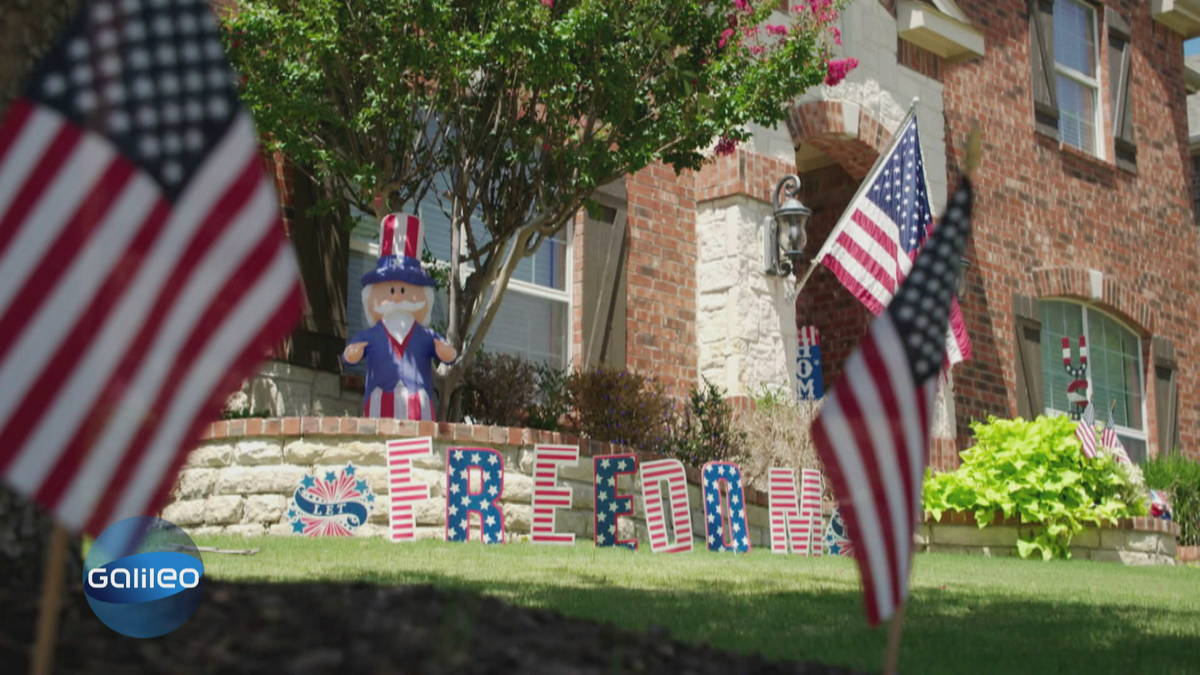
{"x": 499, "y": 389}
{"x": 1035, "y": 470}
{"x": 702, "y": 428}
{"x": 777, "y": 435}
{"x": 550, "y": 401}
{"x": 1179, "y": 478}
{"x": 620, "y": 407}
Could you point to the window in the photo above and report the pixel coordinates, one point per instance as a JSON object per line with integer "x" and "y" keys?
{"x": 534, "y": 317}
{"x": 1078, "y": 82}
{"x": 1114, "y": 371}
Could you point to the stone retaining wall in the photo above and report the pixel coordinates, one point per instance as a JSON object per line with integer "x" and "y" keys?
{"x": 1133, "y": 541}
{"x": 240, "y": 478}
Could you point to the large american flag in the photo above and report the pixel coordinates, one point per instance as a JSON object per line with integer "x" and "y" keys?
{"x": 873, "y": 433}
{"x": 144, "y": 270}
{"x": 872, "y": 247}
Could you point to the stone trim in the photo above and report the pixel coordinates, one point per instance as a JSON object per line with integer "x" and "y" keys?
{"x": 1137, "y": 524}
{"x": 1114, "y": 295}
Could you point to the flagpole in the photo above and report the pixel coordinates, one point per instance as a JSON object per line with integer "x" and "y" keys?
{"x": 895, "y": 626}
{"x": 862, "y": 187}
{"x": 42, "y": 661}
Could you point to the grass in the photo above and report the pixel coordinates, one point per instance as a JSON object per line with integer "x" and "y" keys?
{"x": 965, "y": 615}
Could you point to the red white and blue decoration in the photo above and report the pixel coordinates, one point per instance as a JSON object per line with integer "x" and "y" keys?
{"x": 1110, "y": 440}
{"x": 331, "y": 504}
{"x": 1085, "y": 430}
{"x": 872, "y": 435}
{"x": 548, "y": 496}
{"x": 837, "y": 541}
{"x": 671, "y": 472}
{"x": 873, "y": 246}
{"x": 724, "y": 508}
{"x": 795, "y": 519}
{"x": 1077, "y": 389}
{"x": 144, "y": 269}
{"x": 1159, "y": 506}
{"x": 809, "y": 384}
{"x": 398, "y": 300}
{"x": 462, "y": 502}
{"x": 609, "y": 503}
{"x": 403, "y": 491}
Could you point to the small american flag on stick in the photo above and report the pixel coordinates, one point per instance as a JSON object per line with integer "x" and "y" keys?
{"x": 873, "y": 433}
{"x": 1110, "y": 440}
{"x": 144, "y": 270}
{"x": 1085, "y": 431}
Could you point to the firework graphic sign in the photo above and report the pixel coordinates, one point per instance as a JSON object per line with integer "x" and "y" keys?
{"x": 330, "y": 504}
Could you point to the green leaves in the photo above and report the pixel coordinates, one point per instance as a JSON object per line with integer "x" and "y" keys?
{"x": 1035, "y": 471}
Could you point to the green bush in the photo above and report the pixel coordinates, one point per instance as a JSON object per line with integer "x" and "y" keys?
{"x": 499, "y": 389}
{"x": 620, "y": 407}
{"x": 1179, "y": 478}
{"x": 550, "y": 403}
{"x": 1035, "y": 470}
{"x": 702, "y": 428}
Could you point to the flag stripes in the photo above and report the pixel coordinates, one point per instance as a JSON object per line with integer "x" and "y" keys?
{"x": 872, "y": 435}
{"x": 403, "y": 491}
{"x": 785, "y": 513}
{"x": 811, "y": 523}
{"x": 137, "y": 288}
{"x": 1085, "y": 430}
{"x": 548, "y": 497}
{"x": 671, "y": 472}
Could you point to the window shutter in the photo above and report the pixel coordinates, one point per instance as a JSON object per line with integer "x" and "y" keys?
{"x": 1030, "y": 401}
{"x": 1045, "y": 81}
{"x": 1166, "y": 396}
{"x": 1120, "y": 68}
{"x": 605, "y": 247}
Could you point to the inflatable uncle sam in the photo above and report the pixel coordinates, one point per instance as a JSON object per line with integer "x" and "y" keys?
{"x": 397, "y": 297}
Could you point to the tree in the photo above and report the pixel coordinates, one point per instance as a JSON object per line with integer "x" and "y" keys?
{"x": 536, "y": 103}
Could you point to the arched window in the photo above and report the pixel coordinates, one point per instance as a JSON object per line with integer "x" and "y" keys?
{"x": 1114, "y": 371}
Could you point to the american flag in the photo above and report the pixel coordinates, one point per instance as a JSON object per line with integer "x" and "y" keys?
{"x": 1109, "y": 439}
{"x": 872, "y": 248}
{"x": 873, "y": 434}
{"x": 1085, "y": 431}
{"x": 144, "y": 269}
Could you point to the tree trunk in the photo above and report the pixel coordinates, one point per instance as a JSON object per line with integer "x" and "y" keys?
{"x": 28, "y": 28}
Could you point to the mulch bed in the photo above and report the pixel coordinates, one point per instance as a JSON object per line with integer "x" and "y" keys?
{"x": 361, "y": 628}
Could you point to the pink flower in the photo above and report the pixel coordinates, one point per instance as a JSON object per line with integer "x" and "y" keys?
{"x": 838, "y": 69}
{"x": 742, "y": 5}
{"x": 776, "y": 30}
{"x": 548, "y": 3}
{"x": 758, "y": 50}
{"x": 725, "y": 35}
{"x": 818, "y": 5}
{"x": 726, "y": 146}
{"x": 837, "y": 35}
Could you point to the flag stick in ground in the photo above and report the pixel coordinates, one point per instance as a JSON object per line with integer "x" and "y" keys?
{"x": 42, "y": 659}
{"x": 895, "y": 628}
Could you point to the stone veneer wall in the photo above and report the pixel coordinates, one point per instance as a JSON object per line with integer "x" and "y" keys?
{"x": 1133, "y": 541}
{"x": 241, "y": 476}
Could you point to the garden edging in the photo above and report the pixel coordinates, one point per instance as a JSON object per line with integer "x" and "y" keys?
{"x": 1132, "y": 541}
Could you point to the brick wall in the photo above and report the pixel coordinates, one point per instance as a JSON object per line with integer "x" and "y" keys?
{"x": 661, "y": 304}
{"x": 1043, "y": 206}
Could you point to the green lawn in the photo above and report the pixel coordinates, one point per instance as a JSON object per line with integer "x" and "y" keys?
{"x": 966, "y": 614}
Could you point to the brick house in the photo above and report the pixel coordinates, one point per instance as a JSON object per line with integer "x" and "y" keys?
{"x": 1085, "y": 226}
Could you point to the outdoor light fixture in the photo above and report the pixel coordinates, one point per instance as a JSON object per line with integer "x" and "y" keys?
{"x": 964, "y": 266}
{"x": 786, "y": 235}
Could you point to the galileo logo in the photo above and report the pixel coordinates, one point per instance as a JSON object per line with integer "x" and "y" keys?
{"x": 143, "y": 589}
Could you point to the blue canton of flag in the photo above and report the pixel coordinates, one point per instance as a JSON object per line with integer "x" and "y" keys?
{"x": 900, "y": 192}
{"x": 726, "y": 527}
{"x": 609, "y": 504}
{"x": 461, "y": 502}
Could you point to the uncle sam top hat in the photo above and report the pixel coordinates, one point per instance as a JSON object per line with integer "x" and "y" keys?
{"x": 401, "y": 238}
